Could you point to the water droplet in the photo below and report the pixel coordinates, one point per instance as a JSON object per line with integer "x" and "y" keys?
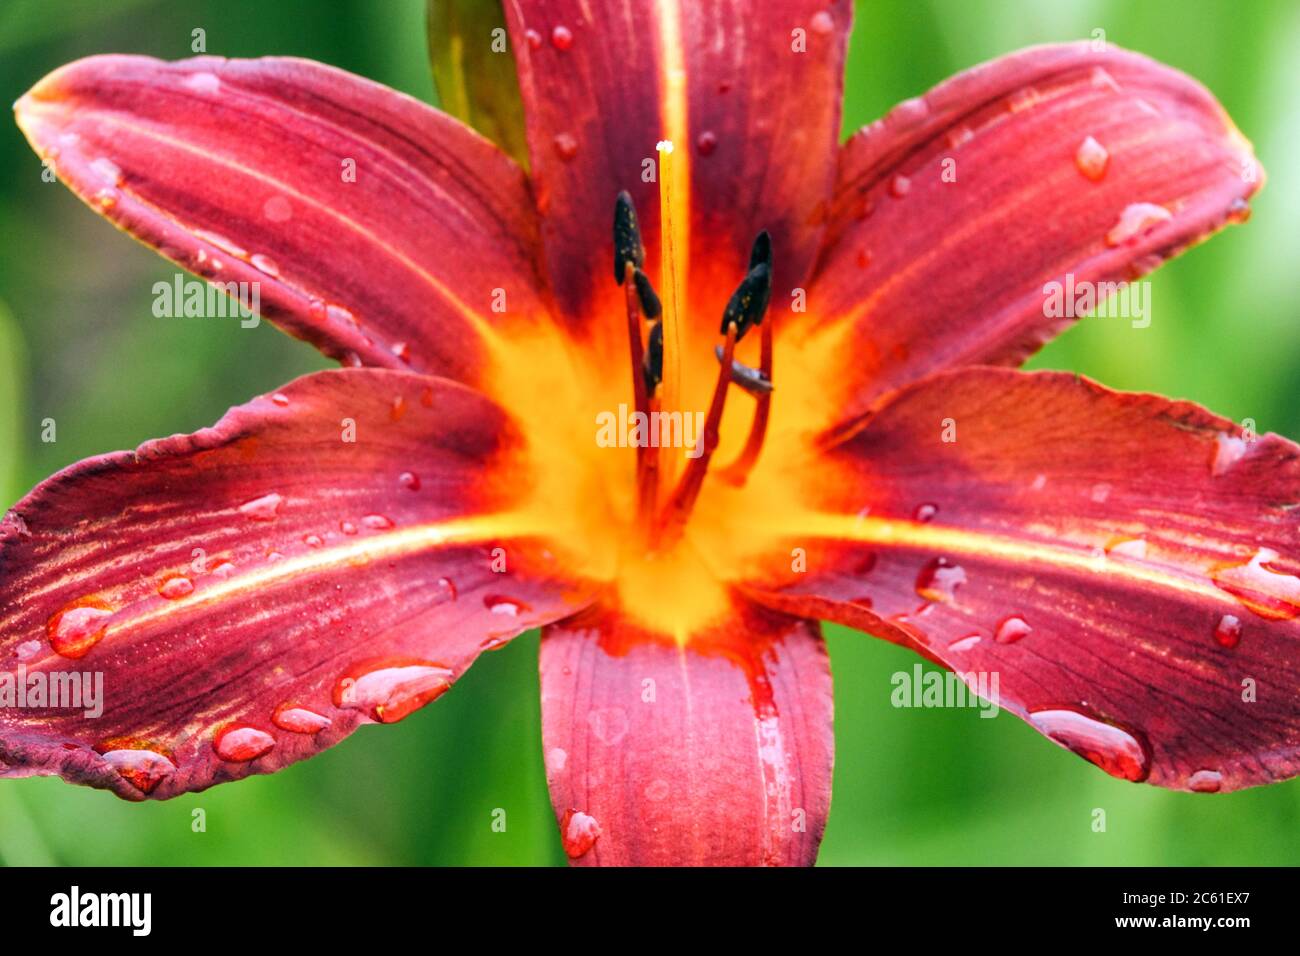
{"x": 1023, "y": 99}
{"x": 265, "y": 264}
{"x": 223, "y": 569}
{"x": 1128, "y": 547}
{"x": 279, "y": 398}
{"x": 137, "y": 764}
{"x": 1091, "y": 159}
{"x": 1272, "y": 595}
{"x": 228, "y": 246}
{"x": 578, "y": 833}
{"x": 389, "y": 690}
{"x": 265, "y": 508}
{"x": 377, "y": 522}
{"x": 706, "y": 143}
{"x": 899, "y": 186}
{"x": 299, "y": 720}
{"x": 504, "y": 606}
{"x": 1228, "y": 450}
{"x": 277, "y": 209}
{"x": 409, "y": 480}
{"x": 925, "y": 512}
{"x": 106, "y": 198}
{"x": 561, "y": 38}
{"x": 338, "y": 313}
{"x": 27, "y": 650}
{"x": 241, "y": 743}
{"x": 566, "y": 147}
{"x": 1103, "y": 80}
{"x": 1228, "y": 631}
{"x": 175, "y": 587}
{"x": 609, "y": 725}
{"x": 1205, "y": 781}
{"x": 107, "y": 170}
{"x": 446, "y": 590}
{"x": 939, "y": 580}
{"x": 77, "y": 628}
{"x": 203, "y": 82}
{"x": 397, "y": 409}
{"x": 964, "y": 643}
{"x": 960, "y": 136}
{"x": 1136, "y": 219}
{"x": 1100, "y": 492}
{"x": 1011, "y": 629}
{"x": 1113, "y": 749}
{"x": 1238, "y": 211}
{"x": 533, "y": 38}
{"x": 347, "y": 527}
{"x": 822, "y": 22}
{"x": 313, "y": 540}
{"x": 402, "y": 351}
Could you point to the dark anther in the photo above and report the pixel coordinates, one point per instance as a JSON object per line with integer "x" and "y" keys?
{"x": 646, "y": 293}
{"x": 654, "y": 358}
{"x": 750, "y": 379}
{"x": 762, "y": 251}
{"x": 627, "y": 236}
{"x": 749, "y": 301}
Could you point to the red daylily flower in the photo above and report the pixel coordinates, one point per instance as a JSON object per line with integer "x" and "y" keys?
{"x": 339, "y": 552}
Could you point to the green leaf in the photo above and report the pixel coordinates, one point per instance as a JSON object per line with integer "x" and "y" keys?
{"x": 474, "y": 70}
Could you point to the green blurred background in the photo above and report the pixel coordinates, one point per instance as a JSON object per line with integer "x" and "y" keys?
{"x": 78, "y": 344}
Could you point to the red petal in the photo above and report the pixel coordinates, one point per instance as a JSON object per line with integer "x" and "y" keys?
{"x": 922, "y": 274}
{"x": 754, "y": 119}
{"x": 1127, "y": 564}
{"x": 714, "y": 752}
{"x": 242, "y": 171}
{"x": 253, "y": 592}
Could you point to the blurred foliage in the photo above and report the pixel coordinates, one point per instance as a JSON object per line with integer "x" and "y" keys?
{"x": 911, "y": 786}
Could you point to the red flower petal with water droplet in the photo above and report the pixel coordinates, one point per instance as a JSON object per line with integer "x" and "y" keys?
{"x": 998, "y": 207}
{"x": 238, "y": 674}
{"x": 715, "y": 753}
{"x": 623, "y": 81}
{"x": 369, "y": 219}
{"x": 1169, "y": 650}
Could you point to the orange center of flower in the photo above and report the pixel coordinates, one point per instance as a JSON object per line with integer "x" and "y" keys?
{"x": 634, "y": 482}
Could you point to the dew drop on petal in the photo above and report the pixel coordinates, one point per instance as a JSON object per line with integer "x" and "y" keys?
{"x": 409, "y": 480}
{"x": 377, "y": 522}
{"x": 1091, "y": 159}
{"x": 265, "y": 264}
{"x": 176, "y": 587}
{"x": 313, "y": 540}
{"x": 1011, "y": 629}
{"x": 925, "y": 512}
{"x": 1228, "y": 450}
{"x": 446, "y": 590}
{"x": 899, "y": 186}
{"x": 240, "y": 743}
{"x": 578, "y": 832}
{"x": 533, "y": 38}
{"x": 299, "y": 720}
{"x": 223, "y": 569}
{"x": 391, "y": 689}
{"x": 77, "y": 628}
{"x": 1205, "y": 781}
{"x": 280, "y": 399}
{"x": 139, "y": 766}
{"x": 203, "y": 82}
{"x": 1272, "y": 595}
{"x": 27, "y": 650}
{"x": 1228, "y": 631}
{"x": 822, "y": 22}
{"x": 402, "y": 351}
{"x": 506, "y": 607}
{"x": 1113, "y": 749}
{"x": 265, "y": 508}
{"x": 566, "y": 146}
{"x": 397, "y": 409}
{"x": 1238, "y": 211}
{"x": 706, "y": 142}
{"x": 1128, "y": 547}
{"x": 107, "y": 170}
{"x": 347, "y": 527}
{"x": 1135, "y": 220}
{"x": 561, "y": 37}
{"x": 939, "y": 580}
{"x": 964, "y": 643}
